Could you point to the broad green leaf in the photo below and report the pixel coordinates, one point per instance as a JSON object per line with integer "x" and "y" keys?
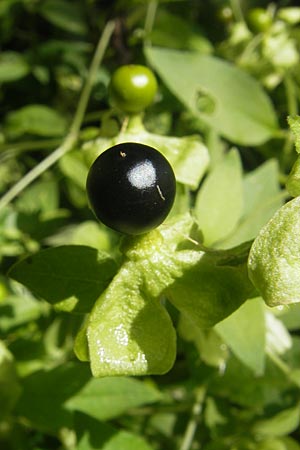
{"x": 224, "y": 96}
{"x": 10, "y": 388}
{"x": 128, "y": 332}
{"x": 282, "y": 423}
{"x": 274, "y": 262}
{"x": 39, "y": 120}
{"x": 208, "y": 292}
{"x": 107, "y": 398}
{"x": 70, "y": 277}
{"x": 44, "y": 394}
{"x": 246, "y": 341}
{"x": 219, "y": 203}
{"x": 64, "y": 15}
{"x": 93, "y": 435}
{"x": 13, "y": 66}
{"x": 262, "y": 198}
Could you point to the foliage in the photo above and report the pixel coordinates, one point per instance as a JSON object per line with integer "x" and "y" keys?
{"x": 186, "y": 337}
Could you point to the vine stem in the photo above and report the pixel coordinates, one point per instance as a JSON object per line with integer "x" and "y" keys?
{"x": 73, "y": 133}
{"x": 193, "y": 422}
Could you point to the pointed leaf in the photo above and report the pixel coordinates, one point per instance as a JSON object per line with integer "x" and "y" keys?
{"x": 242, "y": 112}
{"x": 244, "y": 332}
{"x": 110, "y": 397}
{"x": 71, "y": 277}
{"x": 219, "y": 204}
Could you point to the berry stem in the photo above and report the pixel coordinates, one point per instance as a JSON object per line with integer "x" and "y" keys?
{"x": 71, "y": 138}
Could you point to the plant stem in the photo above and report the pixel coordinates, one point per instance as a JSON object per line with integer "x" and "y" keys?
{"x": 72, "y": 136}
{"x": 149, "y": 21}
{"x": 237, "y": 10}
{"x": 193, "y": 422}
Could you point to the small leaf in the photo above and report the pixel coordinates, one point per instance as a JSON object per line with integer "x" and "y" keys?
{"x": 285, "y": 422}
{"x": 38, "y": 120}
{"x": 70, "y": 277}
{"x": 128, "y": 332}
{"x": 219, "y": 203}
{"x": 244, "y": 333}
{"x": 208, "y": 292}
{"x": 13, "y": 67}
{"x": 274, "y": 262}
{"x": 64, "y": 15}
{"x": 241, "y": 113}
{"x": 262, "y": 198}
{"x": 107, "y": 398}
{"x": 44, "y": 394}
{"x": 95, "y": 435}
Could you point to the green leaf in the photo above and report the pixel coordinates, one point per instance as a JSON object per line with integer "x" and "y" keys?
{"x": 73, "y": 167}
{"x": 219, "y": 203}
{"x": 274, "y": 262}
{"x": 241, "y": 112}
{"x": 70, "y": 277}
{"x": 282, "y": 423}
{"x": 39, "y": 120}
{"x": 18, "y": 310}
{"x": 294, "y": 124}
{"x": 245, "y": 340}
{"x": 41, "y": 196}
{"x": 107, "y": 398}
{"x": 271, "y": 444}
{"x": 128, "y": 332}
{"x": 262, "y": 198}
{"x": 44, "y": 394}
{"x": 93, "y": 435}
{"x": 9, "y": 385}
{"x": 13, "y": 67}
{"x": 64, "y": 15}
{"x": 186, "y": 36}
{"x": 209, "y": 292}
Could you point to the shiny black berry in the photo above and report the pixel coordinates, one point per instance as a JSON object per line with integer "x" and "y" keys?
{"x": 131, "y": 188}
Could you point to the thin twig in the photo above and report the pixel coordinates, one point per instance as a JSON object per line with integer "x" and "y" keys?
{"x": 193, "y": 422}
{"x": 72, "y": 136}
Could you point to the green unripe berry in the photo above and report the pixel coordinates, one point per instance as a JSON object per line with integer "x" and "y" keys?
{"x": 132, "y": 88}
{"x": 259, "y": 20}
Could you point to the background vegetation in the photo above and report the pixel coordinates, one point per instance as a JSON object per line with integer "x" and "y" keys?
{"x": 228, "y": 78}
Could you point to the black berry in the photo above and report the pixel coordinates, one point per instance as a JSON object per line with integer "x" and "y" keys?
{"x": 131, "y": 188}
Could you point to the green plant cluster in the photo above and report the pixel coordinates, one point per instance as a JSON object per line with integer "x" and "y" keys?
{"x": 186, "y": 337}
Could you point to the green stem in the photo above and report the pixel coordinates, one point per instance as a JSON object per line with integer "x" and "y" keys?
{"x": 281, "y": 365}
{"x": 72, "y": 136}
{"x": 149, "y": 21}
{"x": 193, "y": 422}
{"x": 237, "y": 10}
